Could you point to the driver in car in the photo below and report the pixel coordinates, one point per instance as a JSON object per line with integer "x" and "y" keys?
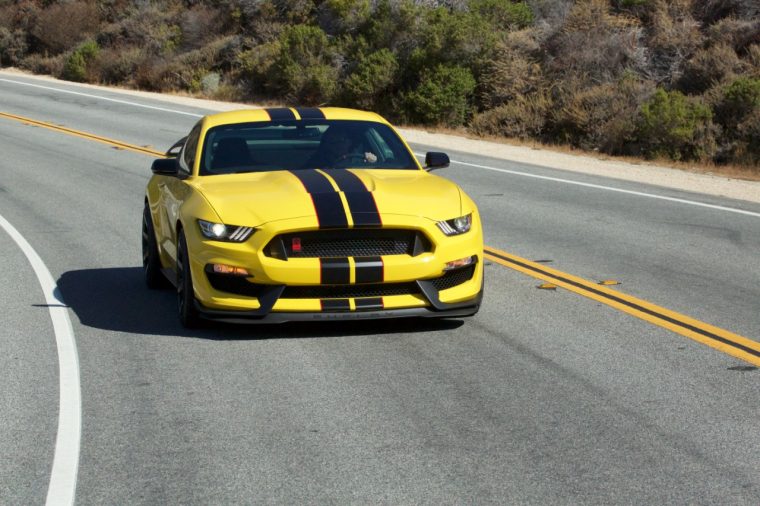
{"x": 340, "y": 147}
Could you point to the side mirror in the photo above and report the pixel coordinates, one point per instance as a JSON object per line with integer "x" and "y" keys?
{"x": 173, "y": 151}
{"x": 165, "y": 166}
{"x": 435, "y": 160}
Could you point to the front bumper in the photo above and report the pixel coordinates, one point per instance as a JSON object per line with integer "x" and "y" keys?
{"x": 295, "y": 289}
{"x": 459, "y": 310}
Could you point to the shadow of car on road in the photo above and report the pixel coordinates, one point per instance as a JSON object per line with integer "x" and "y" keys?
{"x": 117, "y": 299}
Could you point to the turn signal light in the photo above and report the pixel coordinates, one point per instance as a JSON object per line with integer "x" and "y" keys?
{"x": 458, "y": 264}
{"x": 230, "y": 270}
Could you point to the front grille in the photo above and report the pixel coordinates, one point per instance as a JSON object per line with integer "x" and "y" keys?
{"x": 349, "y": 291}
{"x": 453, "y": 278}
{"x": 348, "y": 243}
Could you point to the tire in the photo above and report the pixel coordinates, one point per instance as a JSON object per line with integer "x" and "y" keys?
{"x": 154, "y": 278}
{"x": 188, "y": 314}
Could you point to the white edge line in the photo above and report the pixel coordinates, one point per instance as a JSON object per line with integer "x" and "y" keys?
{"x": 63, "y": 477}
{"x": 125, "y": 102}
{"x": 608, "y": 188}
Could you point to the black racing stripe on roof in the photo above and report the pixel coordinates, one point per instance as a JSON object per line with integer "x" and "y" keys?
{"x": 310, "y": 113}
{"x": 280, "y": 113}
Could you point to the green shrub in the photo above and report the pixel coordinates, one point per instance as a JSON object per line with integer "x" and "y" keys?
{"x": 740, "y": 99}
{"x": 303, "y": 71}
{"x": 443, "y": 96}
{"x": 671, "y": 125}
{"x": 373, "y": 74}
{"x": 503, "y": 13}
{"x": 344, "y": 16}
{"x": 75, "y": 68}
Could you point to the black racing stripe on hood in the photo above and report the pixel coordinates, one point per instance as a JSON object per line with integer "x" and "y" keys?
{"x": 310, "y": 113}
{"x": 361, "y": 202}
{"x": 280, "y": 113}
{"x": 327, "y": 202}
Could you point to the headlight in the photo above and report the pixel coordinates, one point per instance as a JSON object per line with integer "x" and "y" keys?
{"x": 456, "y": 226}
{"x": 228, "y": 233}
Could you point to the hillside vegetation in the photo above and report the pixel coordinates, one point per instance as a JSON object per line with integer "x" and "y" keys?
{"x": 655, "y": 78}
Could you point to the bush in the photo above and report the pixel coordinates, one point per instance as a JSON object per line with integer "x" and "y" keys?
{"x": 670, "y": 125}
{"x": 710, "y": 11}
{"x": 504, "y": 14}
{"x": 601, "y": 117}
{"x": 62, "y": 25}
{"x": 741, "y": 99}
{"x": 674, "y": 36}
{"x": 596, "y": 45}
{"x": 737, "y": 33}
{"x": 448, "y": 38}
{"x": 343, "y": 16}
{"x": 709, "y": 67}
{"x": 148, "y": 27}
{"x": 75, "y": 68}
{"x": 443, "y": 97}
{"x": 39, "y": 64}
{"x": 373, "y": 75}
{"x": 304, "y": 71}
{"x": 117, "y": 66}
{"x": 13, "y": 46}
{"x": 747, "y": 149}
{"x": 511, "y": 71}
{"x": 523, "y": 118}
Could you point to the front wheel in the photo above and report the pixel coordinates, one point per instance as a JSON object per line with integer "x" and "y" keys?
{"x": 188, "y": 314}
{"x": 154, "y": 278}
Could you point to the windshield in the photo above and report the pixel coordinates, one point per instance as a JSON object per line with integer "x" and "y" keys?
{"x": 305, "y": 144}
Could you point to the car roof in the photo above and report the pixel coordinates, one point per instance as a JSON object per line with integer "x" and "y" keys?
{"x": 268, "y": 114}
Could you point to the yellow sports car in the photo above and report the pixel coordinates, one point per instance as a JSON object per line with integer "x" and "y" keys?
{"x": 286, "y": 214}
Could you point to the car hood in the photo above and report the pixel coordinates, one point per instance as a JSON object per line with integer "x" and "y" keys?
{"x": 257, "y": 198}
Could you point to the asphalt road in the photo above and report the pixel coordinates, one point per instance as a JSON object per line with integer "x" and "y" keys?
{"x": 544, "y": 397}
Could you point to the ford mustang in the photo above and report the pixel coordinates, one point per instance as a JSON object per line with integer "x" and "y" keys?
{"x": 286, "y": 214}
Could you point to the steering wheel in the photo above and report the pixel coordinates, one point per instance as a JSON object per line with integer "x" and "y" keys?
{"x": 350, "y": 158}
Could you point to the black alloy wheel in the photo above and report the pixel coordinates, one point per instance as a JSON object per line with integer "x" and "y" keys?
{"x": 154, "y": 278}
{"x": 188, "y": 313}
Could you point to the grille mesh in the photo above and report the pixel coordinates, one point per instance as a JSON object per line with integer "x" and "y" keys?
{"x": 453, "y": 278}
{"x": 347, "y": 243}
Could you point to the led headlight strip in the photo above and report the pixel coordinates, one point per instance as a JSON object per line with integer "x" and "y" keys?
{"x": 222, "y": 232}
{"x": 456, "y": 226}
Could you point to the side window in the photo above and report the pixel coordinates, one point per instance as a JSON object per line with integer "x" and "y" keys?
{"x": 191, "y": 146}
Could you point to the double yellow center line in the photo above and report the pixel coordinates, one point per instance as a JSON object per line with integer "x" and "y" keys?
{"x": 715, "y": 337}
{"x": 83, "y": 135}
